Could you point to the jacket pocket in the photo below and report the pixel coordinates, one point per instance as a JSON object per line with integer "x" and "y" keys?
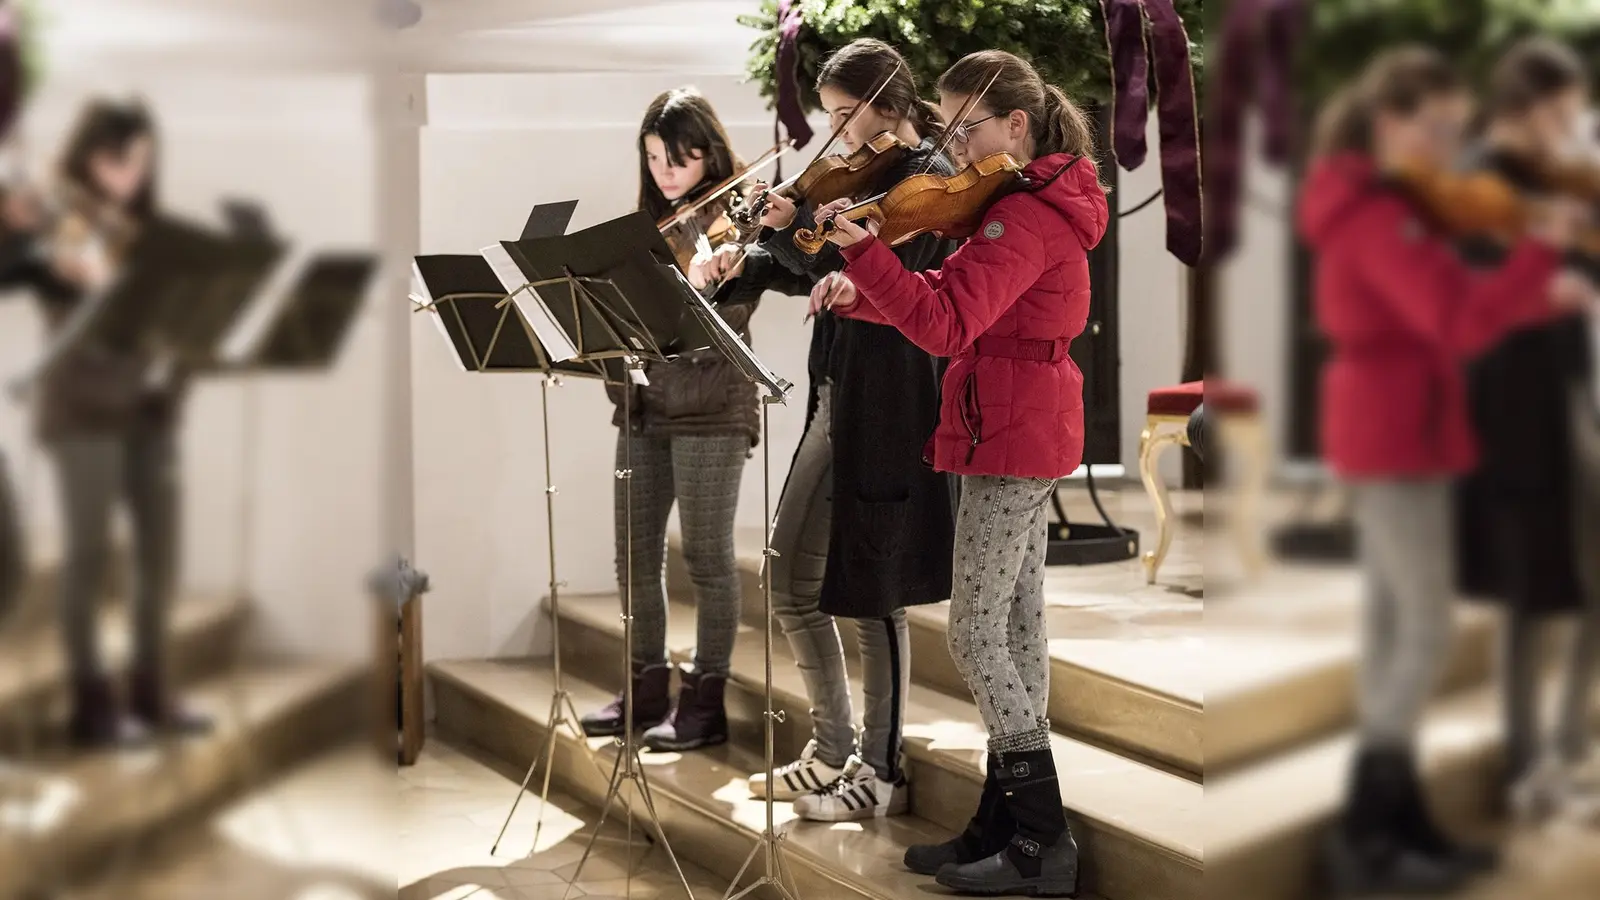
{"x": 691, "y": 388}
{"x": 880, "y": 527}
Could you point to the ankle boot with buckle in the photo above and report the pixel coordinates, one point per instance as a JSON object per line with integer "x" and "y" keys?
{"x": 1374, "y": 850}
{"x": 97, "y": 722}
{"x": 699, "y": 719}
{"x": 986, "y": 834}
{"x": 156, "y": 709}
{"x": 652, "y": 698}
{"x": 1041, "y": 857}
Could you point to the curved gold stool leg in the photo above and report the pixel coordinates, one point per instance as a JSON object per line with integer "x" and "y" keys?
{"x": 1151, "y": 442}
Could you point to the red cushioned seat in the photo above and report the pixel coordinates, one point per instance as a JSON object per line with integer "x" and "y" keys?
{"x": 1219, "y": 396}
{"x": 1178, "y": 400}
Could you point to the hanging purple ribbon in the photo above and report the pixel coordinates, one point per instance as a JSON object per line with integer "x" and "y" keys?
{"x": 1130, "y": 73}
{"x": 791, "y": 115}
{"x": 1179, "y": 120}
{"x": 10, "y": 68}
{"x": 1253, "y": 69}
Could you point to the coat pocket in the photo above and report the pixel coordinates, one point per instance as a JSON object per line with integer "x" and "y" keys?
{"x": 880, "y": 527}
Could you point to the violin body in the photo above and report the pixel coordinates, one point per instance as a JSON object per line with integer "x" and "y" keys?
{"x": 950, "y": 206}
{"x": 831, "y": 177}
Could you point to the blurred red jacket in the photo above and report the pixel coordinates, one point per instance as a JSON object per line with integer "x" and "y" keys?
{"x": 1402, "y": 312}
{"x": 1005, "y": 308}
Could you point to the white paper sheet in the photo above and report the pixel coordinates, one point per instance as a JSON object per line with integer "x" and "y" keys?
{"x": 557, "y": 345}
{"x": 250, "y": 329}
{"x": 421, "y": 297}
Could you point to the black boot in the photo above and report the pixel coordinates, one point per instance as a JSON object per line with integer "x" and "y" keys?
{"x": 699, "y": 719}
{"x": 1041, "y": 858}
{"x": 652, "y": 698}
{"x": 157, "y": 710}
{"x": 1424, "y": 833}
{"x": 1372, "y": 850}
{"x": 991, "y": 827}
{"x": 97, "y": 722}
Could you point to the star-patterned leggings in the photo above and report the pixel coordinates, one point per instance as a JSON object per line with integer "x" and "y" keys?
{"x": 997, "y": 630}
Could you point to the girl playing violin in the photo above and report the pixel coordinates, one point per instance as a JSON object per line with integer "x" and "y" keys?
{"x": 1403, "y": 311}
{"x": 863, "y": 528}
{"x": 109, "y": 433}
{"x": 1005, "y": 307}
{"x": 1518, "y": 507}
{"x": 691, "y": 430}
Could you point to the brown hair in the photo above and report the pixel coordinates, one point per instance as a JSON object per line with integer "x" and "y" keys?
{"x": 1397, "y": 81}
{"x": 1532, "y": 71}
{"x": 108, "y": 126}
{"x": 1058, "y": 125}
{"x": 857, "y": 67}
{"x": 685, "y": 122}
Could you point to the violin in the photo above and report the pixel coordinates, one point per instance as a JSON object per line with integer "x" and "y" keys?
{"x": 1478, "y": 204}
{"x": 950, "y": 206}
{"x": 830, "y": 177}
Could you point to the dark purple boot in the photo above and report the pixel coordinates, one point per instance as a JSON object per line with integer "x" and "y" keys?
{"x": 97, "y": 722}
{"x": 699, "y": 720}
{"x": 652, "y": 701}
{"x": 154, "y": 706}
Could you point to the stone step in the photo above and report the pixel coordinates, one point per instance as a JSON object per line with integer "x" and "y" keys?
{"x": 703, "y": 798}
{"x": 1279, "y": 662}
{"x": 205, "y": 631}
{"x": 1124, "y": 666}
{"x": 86, "y": 812}
{"x": 1140, "y": 827}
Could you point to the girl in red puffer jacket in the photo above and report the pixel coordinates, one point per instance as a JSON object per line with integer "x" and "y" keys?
{"x": 1403, "y": 312}
{"x": 1005, "y": 308}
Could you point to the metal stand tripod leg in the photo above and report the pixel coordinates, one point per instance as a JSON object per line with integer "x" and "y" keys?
{"x": 627, "y": 766}
{"x": 560, "y": 700}
{"x": 769, "y": 843}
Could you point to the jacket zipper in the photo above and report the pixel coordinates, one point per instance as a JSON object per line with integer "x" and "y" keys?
{"x": 974, "y": 424}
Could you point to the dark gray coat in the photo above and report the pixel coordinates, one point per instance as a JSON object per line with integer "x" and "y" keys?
{"x": 893, "y": 525}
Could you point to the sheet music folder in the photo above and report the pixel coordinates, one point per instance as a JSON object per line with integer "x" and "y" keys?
{"x": 181, "y": 288}
{"x": 463, "y": 297}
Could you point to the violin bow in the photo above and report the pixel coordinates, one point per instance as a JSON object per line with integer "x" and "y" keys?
{"x": 944, "y": 144}
{"x": 684, "y": 213}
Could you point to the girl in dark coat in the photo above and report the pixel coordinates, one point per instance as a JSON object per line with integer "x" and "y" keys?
{"x": 863, "y": 528}
{"x": 1403, "y": 312}
{"x": 1005, "y": 307}
{"x": 690, "y": 432}
{"x": 1518, "y": 507}
{"x": 110, "y": 433}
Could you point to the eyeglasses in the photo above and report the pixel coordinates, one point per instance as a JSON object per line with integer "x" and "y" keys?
{"x": 963, "y": 133}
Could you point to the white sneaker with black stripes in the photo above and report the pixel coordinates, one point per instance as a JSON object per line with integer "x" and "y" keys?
{"x": 799, "y": 778}
{"x": 858, "y": 794}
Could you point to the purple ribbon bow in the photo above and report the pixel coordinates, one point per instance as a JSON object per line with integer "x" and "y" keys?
{"x": 790, "y": 113}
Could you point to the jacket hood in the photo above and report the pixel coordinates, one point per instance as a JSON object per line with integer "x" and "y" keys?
{"x": 1334, "y": 186}
{"x": 1076, "y": 194}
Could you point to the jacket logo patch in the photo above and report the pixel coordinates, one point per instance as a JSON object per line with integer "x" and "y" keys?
{"x": 994, "y": 230}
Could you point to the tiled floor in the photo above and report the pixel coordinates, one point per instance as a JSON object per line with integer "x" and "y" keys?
{"x": 451, "y": 807}
{"x": 323, "y": 832}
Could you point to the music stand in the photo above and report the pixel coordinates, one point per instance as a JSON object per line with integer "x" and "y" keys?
{"x": 612, "y": 291}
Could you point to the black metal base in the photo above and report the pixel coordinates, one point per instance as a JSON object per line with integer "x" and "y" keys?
{"x": 1079, "y": 544}
{"x": 1082, "y": 544}
{"x": 1316, "y": 542}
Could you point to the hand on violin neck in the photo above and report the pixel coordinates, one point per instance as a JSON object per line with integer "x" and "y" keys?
{"x": 844, "y": 232}
{"x": 780, "y": 210}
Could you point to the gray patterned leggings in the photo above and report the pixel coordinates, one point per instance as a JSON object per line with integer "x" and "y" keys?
{"x": 701, "y": 473}
{"x": 141, "y": 468}
{"x": 997, "y": 633}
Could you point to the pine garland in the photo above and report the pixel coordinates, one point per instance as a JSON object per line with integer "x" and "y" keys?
{"x": 1065, "y": 39}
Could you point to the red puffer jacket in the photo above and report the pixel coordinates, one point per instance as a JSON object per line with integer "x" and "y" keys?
{"x": 1005, "y": 308}
{"x": 1403, "y": 312}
